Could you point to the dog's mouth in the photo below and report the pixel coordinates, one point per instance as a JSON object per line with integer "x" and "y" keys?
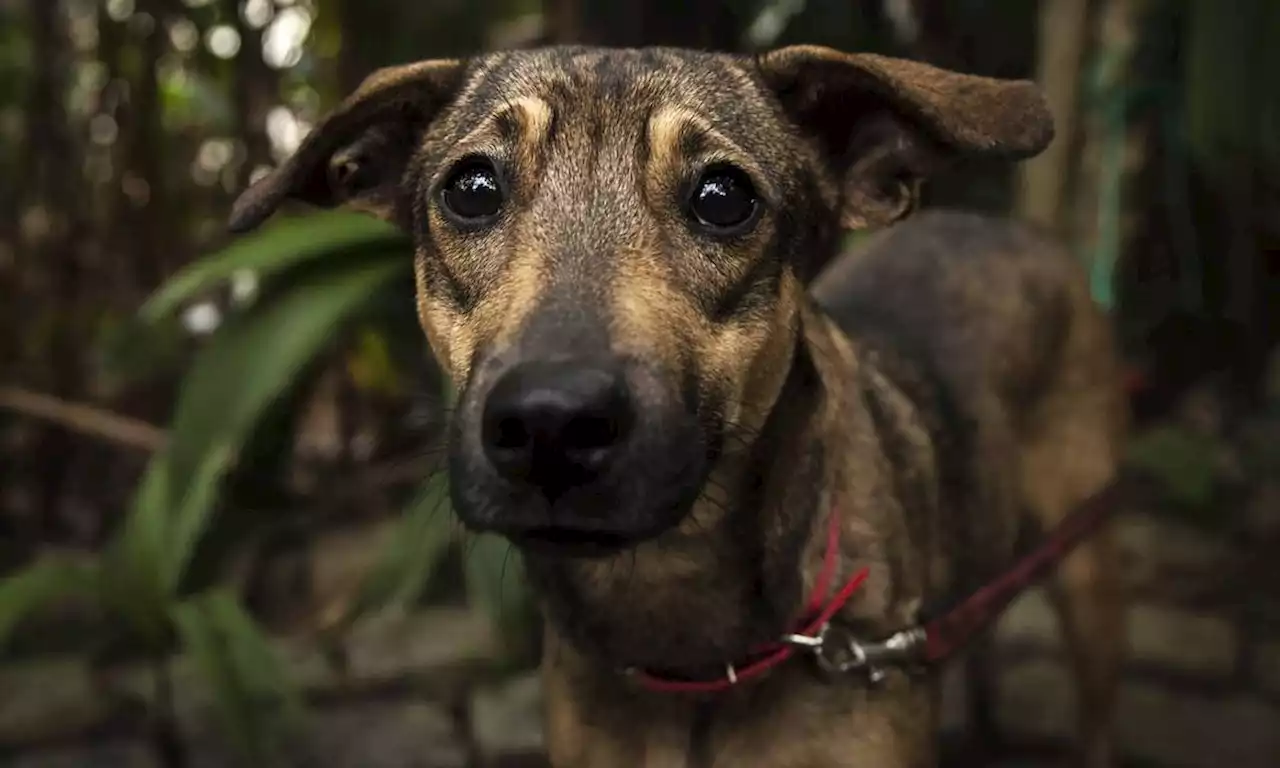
{"x": 573, "y": 542}
{"x": 575, "y": 459}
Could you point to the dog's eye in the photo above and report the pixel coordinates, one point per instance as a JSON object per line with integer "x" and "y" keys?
{"x": 473, "y": 194}
{"x": 723, "y": 199}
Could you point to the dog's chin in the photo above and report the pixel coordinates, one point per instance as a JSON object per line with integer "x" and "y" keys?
{"x": 593, "y": 523}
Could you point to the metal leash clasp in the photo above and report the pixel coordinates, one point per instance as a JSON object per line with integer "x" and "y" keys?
{"x": 839, "y": 653}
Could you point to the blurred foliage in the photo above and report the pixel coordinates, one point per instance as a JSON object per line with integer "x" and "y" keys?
{"x": 131, "y": 124}
{"x": 318, "y": 273}
{"x": 256, "y": 701}
{"x": 1184, "y": 465}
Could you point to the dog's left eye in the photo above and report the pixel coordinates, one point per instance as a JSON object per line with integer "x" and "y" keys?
{"x": 723, "y": 200}
{"x": 473, "y": 194}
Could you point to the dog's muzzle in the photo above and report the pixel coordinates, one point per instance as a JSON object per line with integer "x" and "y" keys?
{"x": 583, "y": 455}
{"x": 551, "y": 427}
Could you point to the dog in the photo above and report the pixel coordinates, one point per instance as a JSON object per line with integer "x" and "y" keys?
{"x": 686, "y": 408}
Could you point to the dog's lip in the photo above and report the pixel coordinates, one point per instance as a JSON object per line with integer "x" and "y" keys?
{"x": 573, "y": 542}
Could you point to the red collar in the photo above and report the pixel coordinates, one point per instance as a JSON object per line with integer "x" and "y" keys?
{"x": 818, "y": 611}
{"x": 928, "y": 644}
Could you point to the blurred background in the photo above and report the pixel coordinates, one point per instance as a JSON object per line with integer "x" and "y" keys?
{"x": 222, "y": 538}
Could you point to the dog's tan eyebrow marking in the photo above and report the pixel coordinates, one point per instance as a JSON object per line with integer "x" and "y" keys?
{"x": 672, "y": 129}
{"x": 517, "y": 128}
{"x": 669, "y": 127}
{"x": 526, "y": 122}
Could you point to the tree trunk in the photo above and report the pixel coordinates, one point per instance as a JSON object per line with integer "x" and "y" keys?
{"x": 114, "y": 224}
{"x": 355, "y": 61}
{"x": 56, "y": 223}
{"x": 705, "y": 24}
{"x": 563, "y": 20}
{"x": 254, "y": 91}
{"x": 1042, "y": 181}
{"x": 1113, "y": 147}
{"x": 151, "y": 216}
{"x": 1230, "y": 91}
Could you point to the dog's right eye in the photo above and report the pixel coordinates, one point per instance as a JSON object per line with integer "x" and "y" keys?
{"x": 473, "y": 194}
{"x": 724, "y": 201}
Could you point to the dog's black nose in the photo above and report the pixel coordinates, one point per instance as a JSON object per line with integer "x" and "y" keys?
{"x": 557, "y": 425}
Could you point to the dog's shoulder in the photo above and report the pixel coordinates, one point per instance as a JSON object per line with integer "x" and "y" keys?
{"x": 940, "y": 254}
{"x": 960, "y": 321}
{"x": 985, "y": 301}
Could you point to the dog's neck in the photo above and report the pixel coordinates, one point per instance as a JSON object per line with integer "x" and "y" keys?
{"x": 737, "y": 572}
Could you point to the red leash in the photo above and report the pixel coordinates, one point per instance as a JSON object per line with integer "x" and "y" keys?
{"x": 949, "y": 632}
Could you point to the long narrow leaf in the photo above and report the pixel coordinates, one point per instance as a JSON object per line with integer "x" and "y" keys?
{"x": 134, "y": 563}
{"x": 207, "y": 648}
{"x": 46, "y": 582}
{"x": 255, "y": 701}
{"x": 282, "y": 245}
{"x": 257, "y": 662}
{"x": 412, "y": 556}
{"x": 153, "y": 339}
{"x": 246, "y": 367}
{"x": 495, "y": 583}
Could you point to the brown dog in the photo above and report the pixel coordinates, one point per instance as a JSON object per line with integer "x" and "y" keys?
{"x": 614, "y": 249}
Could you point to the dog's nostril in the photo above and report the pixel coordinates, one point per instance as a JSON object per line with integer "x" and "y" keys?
{"x": 511, "y": 434}
{"x": 592, "y": 432}
{"x": 556, "y": 425}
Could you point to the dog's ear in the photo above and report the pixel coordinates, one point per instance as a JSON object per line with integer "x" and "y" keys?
{"x": 357, "y": 156}
{"x": 885, "y": 124}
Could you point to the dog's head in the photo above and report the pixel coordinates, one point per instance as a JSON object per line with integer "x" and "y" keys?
{"x": 612, "y": 247}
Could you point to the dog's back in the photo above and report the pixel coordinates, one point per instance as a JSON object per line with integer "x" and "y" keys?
{"x": 1021, "y": 385}
{"x": 989, "y": 302}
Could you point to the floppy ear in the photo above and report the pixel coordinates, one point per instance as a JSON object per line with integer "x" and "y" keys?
{"x": 886, "y": 124}
{"x": 358, "y": 154}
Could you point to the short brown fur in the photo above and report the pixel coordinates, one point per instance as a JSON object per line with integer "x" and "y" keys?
{"x": 944, "y": 389}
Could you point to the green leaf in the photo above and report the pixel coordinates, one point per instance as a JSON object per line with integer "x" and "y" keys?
{"x": 258, "y": 704}
{"x": 413, "y": 555}
{"x": 259, "y": 663}
{"x": 153, "y": 338}
{"x": 282, "y": 245}
{"x": 495, "y": 582}
{"x": 1181, "y": 462}
{"x": 131, "y": 350}
{"x": 134, "y": 564}
{"x": 48, "y": 581}
{"x": 194, "y": 509}
{"x": 247, "y": 365}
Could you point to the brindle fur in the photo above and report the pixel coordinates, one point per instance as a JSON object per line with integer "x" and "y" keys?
{"x": 951, "y": 384}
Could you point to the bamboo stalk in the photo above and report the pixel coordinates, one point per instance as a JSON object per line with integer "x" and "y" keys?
{"x": 1064, "y": 32}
